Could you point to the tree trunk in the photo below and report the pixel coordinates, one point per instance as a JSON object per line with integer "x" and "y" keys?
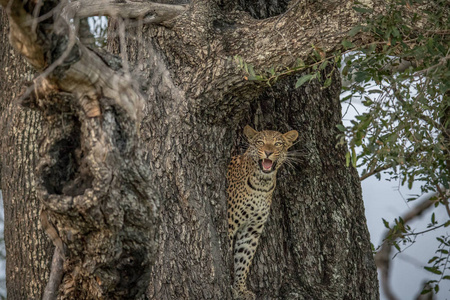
{"x": 28, "y": 249}
{"x": 94, "y": 192}
{"x": 315, "y": 245}
{"x": 316, "y": 242}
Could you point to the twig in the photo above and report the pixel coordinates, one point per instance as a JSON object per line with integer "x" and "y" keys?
{"x": 56, "y": 274}
{"x": 375, "y": 171}
{"x": 424, "y": 231}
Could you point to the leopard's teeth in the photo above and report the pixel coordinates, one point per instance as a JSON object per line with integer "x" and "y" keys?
{"x": 267, "y": 164}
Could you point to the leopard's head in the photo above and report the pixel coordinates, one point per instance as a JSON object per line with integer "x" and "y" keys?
{"x": 269, "y": 148}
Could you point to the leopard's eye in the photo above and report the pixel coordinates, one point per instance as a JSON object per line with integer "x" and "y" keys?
{"x": 259, "y": 142}
{"x": 278, "y": 144}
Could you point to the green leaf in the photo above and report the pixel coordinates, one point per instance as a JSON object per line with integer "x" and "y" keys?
{"x": 433, "y": 259}
{"x": 386, "y": 223}
{"x": 300, "y": 63}
{"x": 303, "y": 79}
{"x": 347, "y": 158}
{"x": 445, "y": 181}
{"x": 354, "y": 157}
{"x": 395, "y": 32}
{"x": 272, "y": 71}
{"x": 345, "y": 70}
{"x": 340, "y": 127}
{"x": 251, "y": 71}
{"x": 323, "y": 65}
{"x": 347, "y": 44}
{"x": 354, "y": 30}
{"x": 361, "y": 76}
{"x": 327, "y": 82}
{"x": 425, "y": 291}
{"x": 362, "y": 9}
{"x": 433, "y": 270}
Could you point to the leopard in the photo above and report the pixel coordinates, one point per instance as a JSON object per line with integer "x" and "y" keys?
{"x": 251, "y": 182}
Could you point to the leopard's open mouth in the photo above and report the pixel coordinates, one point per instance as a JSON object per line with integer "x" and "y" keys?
{"x": 266, "y": 165}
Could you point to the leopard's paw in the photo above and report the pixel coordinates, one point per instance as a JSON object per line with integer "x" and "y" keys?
{"x": 240, "y": 294}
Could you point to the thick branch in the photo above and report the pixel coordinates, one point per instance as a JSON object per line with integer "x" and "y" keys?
{"x": 276, "y": 42}
{"x": 86, "y": 75}
{"x": 305, "y": 27}
{"x": 307, "y": 30}
{"x": 22, "y": 37}
{"x": 150, "y": 12}
{"x": 91, "y": 177}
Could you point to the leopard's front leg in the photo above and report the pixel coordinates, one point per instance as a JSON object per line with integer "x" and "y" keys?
{"x": 247, "y": 240}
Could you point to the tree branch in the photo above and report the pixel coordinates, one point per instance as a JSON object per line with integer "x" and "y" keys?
{"x": 305, "y": 27}
{"x": 375, "y": 171}
{"x": 278, "y": 42}
{"x": 150, "y": 12}
{"x": 86, "y": 74}
{"x": 22, "y": 37}
{"x": 56, "y": 275}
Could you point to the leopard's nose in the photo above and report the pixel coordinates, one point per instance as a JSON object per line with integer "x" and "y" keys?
{"x": 268, "y": 153}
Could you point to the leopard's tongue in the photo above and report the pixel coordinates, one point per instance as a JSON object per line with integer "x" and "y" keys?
{"x": 267, "y": 164}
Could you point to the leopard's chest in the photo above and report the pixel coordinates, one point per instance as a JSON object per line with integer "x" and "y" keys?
{"x": 253, "y": 197}
{"x": 249, "y": 190}
{"x": 258, "y": 202}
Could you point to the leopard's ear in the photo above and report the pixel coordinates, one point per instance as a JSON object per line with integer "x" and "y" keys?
{"x": 291, "y": 136}
{"x": 249, "y": 132}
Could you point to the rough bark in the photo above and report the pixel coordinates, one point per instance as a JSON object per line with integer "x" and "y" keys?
{"x": 318, "y": 222}
{"x": 27, "y": 248}
{"x": 90, "y": 178}
{"x": 316, "y": 244}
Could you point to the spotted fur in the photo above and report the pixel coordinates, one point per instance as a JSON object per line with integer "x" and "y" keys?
{"x": 251, "y": 182}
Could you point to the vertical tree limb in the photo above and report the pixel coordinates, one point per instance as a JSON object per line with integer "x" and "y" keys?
{"x": 91, "y": 179}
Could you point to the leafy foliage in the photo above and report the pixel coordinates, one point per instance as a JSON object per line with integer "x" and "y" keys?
{"x": 314, "y": 70}
{"x": 403, "y": 79}
{"x": 406, "y": 127}
{"x": 439, "y": 264}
